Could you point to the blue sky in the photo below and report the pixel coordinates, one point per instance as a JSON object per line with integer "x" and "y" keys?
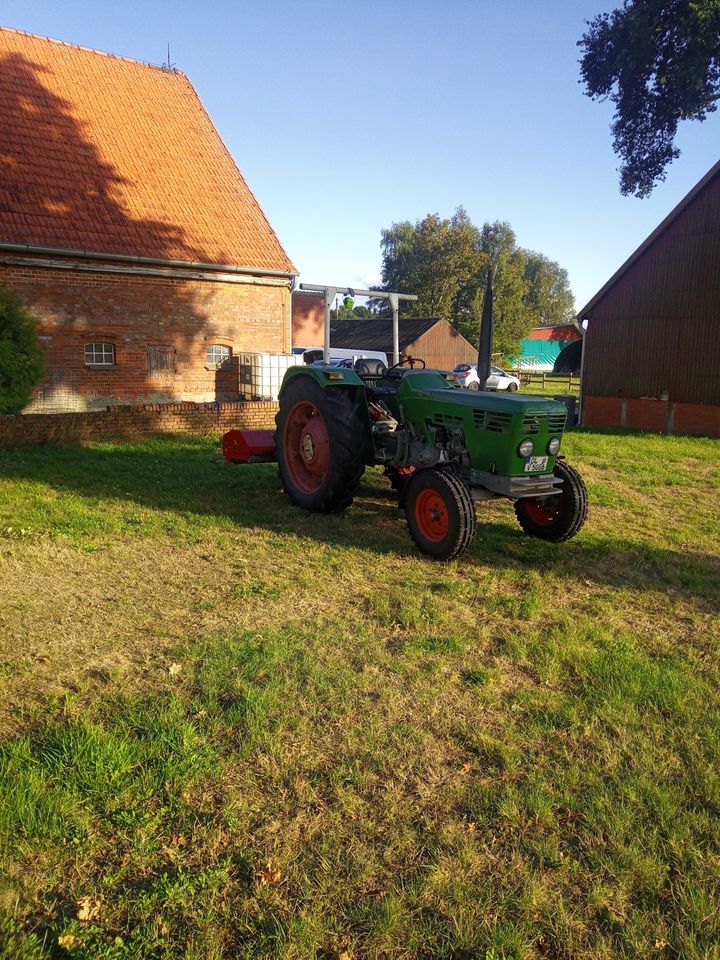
{"x": 345, "y": 117}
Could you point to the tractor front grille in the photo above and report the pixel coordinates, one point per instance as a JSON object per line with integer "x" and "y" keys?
{"x": 534, "y": 422}
{"x": 492, "y": 421}
{"x": 446, "y": 420}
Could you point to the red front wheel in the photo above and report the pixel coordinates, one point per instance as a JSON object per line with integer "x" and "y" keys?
{"x": 440, "y": 513}
{"x": 559, "y": 517}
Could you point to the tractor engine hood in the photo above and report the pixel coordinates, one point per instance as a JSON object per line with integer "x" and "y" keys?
{"x": 493, "y": 424}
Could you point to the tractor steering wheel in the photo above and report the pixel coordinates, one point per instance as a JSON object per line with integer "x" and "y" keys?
{"x": 410, "y": 361}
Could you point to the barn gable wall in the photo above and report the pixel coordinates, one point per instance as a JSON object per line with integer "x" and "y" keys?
{"x": 443, "y": 347}
{"x": 655, "y": 333}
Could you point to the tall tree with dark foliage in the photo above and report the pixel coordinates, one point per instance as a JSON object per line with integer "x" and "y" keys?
{"x": 658, "y": 62}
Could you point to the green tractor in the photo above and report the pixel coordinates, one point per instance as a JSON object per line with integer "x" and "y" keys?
{"x": 442, "y": 448}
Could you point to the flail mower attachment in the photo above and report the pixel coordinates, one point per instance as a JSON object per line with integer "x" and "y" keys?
{"x": 249, "y": 446}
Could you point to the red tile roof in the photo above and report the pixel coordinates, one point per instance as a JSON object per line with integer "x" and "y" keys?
{"x": 104, "y": 154}
{"x": 562, "y": 331}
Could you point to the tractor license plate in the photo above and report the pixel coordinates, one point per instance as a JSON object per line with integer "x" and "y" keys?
{"x": 532, "y": 464}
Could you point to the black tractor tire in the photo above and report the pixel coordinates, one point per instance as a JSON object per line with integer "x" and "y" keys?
{"x": 319, "y": 443}
{"x": 440, "y": 513}
{"x": 559, "y": 517}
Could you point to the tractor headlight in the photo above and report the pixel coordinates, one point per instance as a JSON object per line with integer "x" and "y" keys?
{"x": 553, "y": 446}
{"x": 526, "y": 448}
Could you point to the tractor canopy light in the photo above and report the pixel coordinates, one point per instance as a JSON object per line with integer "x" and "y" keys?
{"x": 553, "y": 446}
{"x": 526, "y": 448}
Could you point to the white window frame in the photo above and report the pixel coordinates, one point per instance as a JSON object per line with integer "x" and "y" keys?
{"x": 218, "y": 356}
{"x": 99, "y": 353}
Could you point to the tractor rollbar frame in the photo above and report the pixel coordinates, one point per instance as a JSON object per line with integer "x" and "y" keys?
{"x": 331, "y": 292}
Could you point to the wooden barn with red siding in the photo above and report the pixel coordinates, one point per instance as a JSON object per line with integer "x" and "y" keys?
{"x": 652, "y": 347}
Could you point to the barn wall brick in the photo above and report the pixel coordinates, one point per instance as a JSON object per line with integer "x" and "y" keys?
{"x": 73, "y": 307}
{"x": 123, "y": 422}
{"x": 697, "y": 418}
{"x": 655, "y": 416}
{"x": 651, "y": 415}
{"x": 308, "y": 319}
{"x": 602, "y": 412}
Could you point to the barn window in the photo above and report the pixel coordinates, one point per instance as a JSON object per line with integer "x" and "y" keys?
{"x": 99, "y": 354}
{"x": 219, "y": 357}
{"x": 160, "y": 360}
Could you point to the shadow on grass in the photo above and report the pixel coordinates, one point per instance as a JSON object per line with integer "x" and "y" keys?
{"x": 189, "y": 477}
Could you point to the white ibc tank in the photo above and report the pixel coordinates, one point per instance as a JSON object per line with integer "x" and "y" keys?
{"x": 261, "y": 374}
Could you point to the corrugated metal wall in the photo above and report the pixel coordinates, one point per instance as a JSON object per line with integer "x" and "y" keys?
{"x": 657, "y": 330}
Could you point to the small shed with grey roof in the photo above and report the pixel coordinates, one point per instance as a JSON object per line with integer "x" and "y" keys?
{"x": 430, "y": 339}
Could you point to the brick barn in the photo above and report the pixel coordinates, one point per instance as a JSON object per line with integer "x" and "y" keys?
{"x": 308, "y": 319}
{"x": 129, "y": 232}
{"x": 435, "y": 341}
{"x": 652, "y": 346}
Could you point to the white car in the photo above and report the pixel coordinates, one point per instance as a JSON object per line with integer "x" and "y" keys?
{"x": 467, "y": 376}
{"x": 340, "y": 357}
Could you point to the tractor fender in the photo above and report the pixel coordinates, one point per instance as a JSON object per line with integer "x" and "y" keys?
{"x": 338, "y": 378}
{"x": 324, "y": 376}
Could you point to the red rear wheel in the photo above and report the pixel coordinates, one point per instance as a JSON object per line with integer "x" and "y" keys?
{"x": 307, "y": 446}
{"x": 320, "y": 445}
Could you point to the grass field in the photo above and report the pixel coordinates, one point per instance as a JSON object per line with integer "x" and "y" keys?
{"x": 235, "y": 730}
{"x": 551, "y": 386}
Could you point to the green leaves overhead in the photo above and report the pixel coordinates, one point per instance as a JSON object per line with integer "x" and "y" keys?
{"x": 658, "y": 62}
{"x": 445, "y": 262}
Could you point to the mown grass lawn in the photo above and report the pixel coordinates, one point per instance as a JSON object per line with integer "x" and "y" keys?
{"x": 232, "y": 729}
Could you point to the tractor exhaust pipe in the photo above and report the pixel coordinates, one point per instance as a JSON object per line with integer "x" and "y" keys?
{"x": 486, "y": 334}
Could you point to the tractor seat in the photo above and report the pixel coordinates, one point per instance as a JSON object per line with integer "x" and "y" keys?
{"x": 370, "y": 370}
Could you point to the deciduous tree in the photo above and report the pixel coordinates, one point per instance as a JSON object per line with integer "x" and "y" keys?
{"x": 658, "y": 62}
{"x": 357, "y": 312}
{"x": 445, "y": 263}
{"x": 513, "y": 318}
{"x": 549, "y": 296}
{"x": 434, "y": 258}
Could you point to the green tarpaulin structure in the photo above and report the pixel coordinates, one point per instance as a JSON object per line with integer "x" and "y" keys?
{"x": 539, "y": 354}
